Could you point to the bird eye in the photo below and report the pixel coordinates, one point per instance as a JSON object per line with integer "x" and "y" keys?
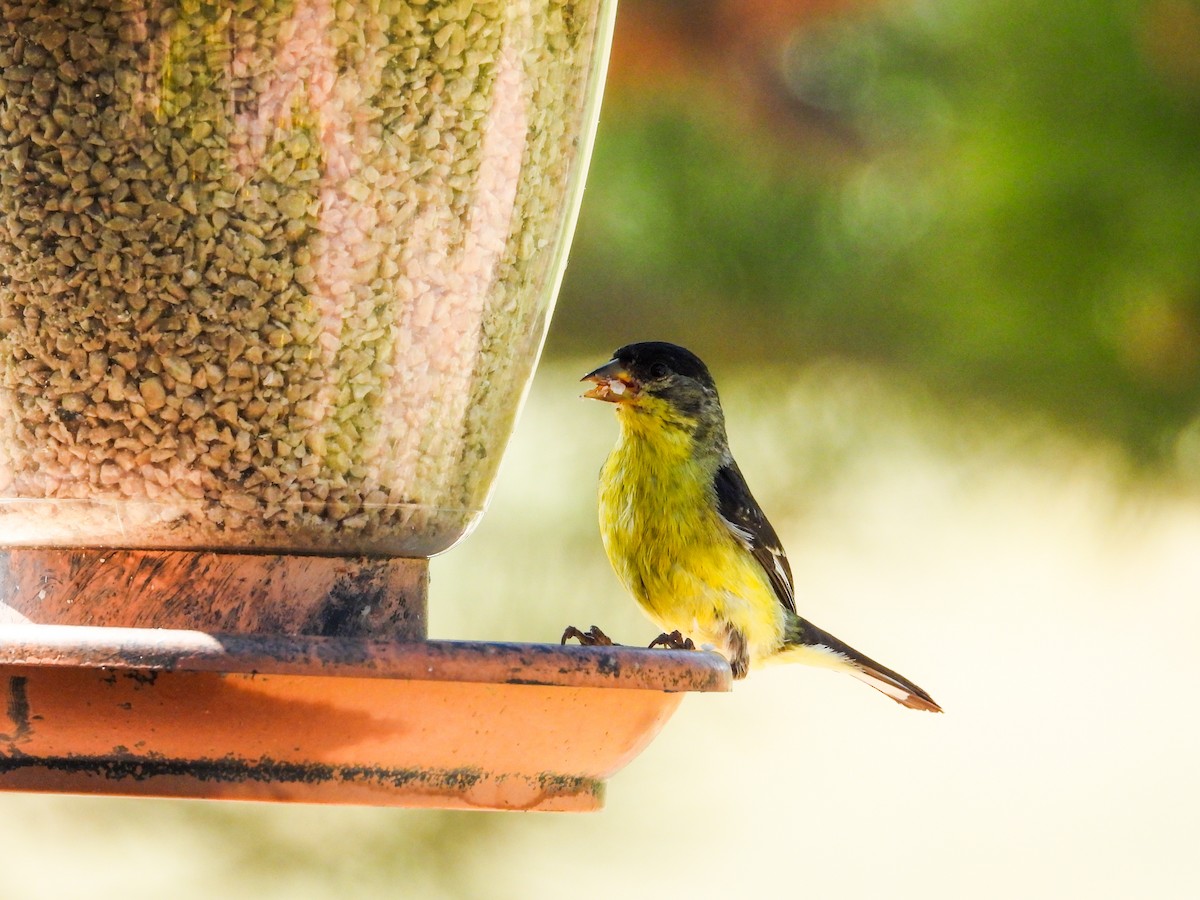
{"x": 659, "y": 370}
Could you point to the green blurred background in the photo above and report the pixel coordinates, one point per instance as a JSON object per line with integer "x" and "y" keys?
{"x": 944, "y": 260}
{"x": 997, "y": 198}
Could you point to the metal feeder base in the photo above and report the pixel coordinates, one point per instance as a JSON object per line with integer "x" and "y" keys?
{"x": 172, "y": 712}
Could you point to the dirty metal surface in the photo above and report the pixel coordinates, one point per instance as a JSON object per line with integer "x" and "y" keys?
{"x": 164, "y": 649}
{"x": 231, "y": 592}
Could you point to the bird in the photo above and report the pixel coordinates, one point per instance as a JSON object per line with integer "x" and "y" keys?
{"x": 687, "y": 538}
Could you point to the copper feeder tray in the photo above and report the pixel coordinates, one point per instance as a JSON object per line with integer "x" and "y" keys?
{"x": 175, "y": 673}
{"x": 178, "y": 713}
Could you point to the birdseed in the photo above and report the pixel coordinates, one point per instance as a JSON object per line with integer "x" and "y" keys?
{"x": 274, "y": 273}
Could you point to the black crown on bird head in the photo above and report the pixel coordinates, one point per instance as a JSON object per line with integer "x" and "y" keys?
{"x": 641, "y": 358}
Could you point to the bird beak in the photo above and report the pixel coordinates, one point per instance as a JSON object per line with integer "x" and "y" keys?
{"x": 613, "y": 383}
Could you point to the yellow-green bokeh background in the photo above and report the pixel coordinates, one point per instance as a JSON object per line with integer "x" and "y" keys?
{"x": 949, "y": 282}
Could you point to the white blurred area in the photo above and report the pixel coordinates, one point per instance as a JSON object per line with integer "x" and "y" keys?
{"x": 1043, "y": 594}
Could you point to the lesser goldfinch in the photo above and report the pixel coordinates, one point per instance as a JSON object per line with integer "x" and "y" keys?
{"x": 687, "y": 538}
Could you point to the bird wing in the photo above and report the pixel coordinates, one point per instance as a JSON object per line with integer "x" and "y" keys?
{"x": 745, "y": 519}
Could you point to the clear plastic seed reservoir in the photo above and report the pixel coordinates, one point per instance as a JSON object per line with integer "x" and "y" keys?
{"x": 275, "y": 275}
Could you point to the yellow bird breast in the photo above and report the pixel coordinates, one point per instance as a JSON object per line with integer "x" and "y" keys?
{"x": 671, "y": 550}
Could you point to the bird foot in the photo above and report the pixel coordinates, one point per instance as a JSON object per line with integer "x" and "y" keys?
{"x": 593, "y": 637}
{"x": 673, "y": 641}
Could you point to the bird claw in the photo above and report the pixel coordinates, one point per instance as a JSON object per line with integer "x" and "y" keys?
{"x": 593, "y": 637}
{"x": 672, "y": 641}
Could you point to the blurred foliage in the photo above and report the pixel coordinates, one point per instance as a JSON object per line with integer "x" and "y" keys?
{"x": 999, "y": 197}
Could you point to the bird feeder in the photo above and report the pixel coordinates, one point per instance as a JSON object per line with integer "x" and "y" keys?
{"x": 274, "y": 278}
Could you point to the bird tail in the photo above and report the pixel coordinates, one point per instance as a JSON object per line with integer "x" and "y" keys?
{"x": 805, "y": 642}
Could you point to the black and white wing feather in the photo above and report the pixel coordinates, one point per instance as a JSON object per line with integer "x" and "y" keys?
{"x": 803, "y": 640}
{"x": 742, "y": 514}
